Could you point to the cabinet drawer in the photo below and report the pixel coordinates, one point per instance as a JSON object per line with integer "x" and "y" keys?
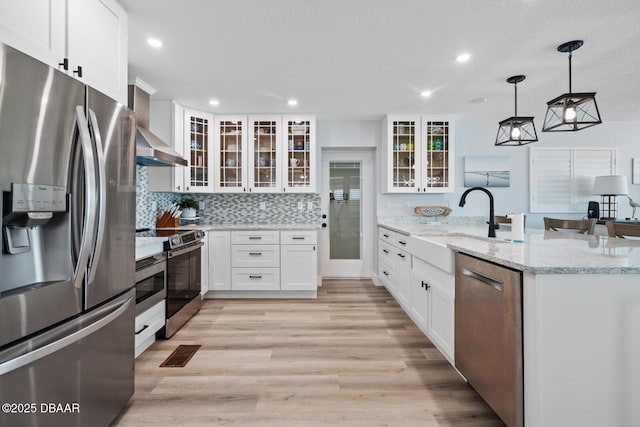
{"x": 386, "y": 253}
{"x": 146, "y": 326}
{"x": 387, "y": 273}
{"x": 255, "y": 256}
{"x": 260, "y": 237}
{"x": 387, "y": 235}
{"x": 255, "y": 279}
{"x": 306, "y": 237}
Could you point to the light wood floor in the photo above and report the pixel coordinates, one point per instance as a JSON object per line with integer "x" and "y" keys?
{"x": 350, "y": 358}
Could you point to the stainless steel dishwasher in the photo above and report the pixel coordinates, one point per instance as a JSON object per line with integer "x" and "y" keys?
{"x": 488, "y": 334}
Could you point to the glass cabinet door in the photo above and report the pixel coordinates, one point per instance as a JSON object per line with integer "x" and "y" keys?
{"x": 437, "y": 155}
{"x": 403, "y": 149}
{"x": 264, "y": 153}
{"x": 198, "y": 151}
{"x": 230, "y": 154}
{"x": 299, "y": 164}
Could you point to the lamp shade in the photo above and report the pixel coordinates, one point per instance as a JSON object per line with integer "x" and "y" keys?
{"x": 610, "y": 185}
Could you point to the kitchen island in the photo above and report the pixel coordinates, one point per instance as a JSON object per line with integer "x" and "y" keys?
{"x": 580, "y": 316}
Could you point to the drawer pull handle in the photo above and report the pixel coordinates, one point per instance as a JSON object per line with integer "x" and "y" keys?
{"x": 297, "y": 238}
{"x": 401, "y": 242}
{"x": 425, "y": 285}
{"x": 386, "y": 235}
{"x": 401, "y": 256}
{"x": 143, "y": 328}
{"x": 385, "y": 273}
{"x": 255, "y": 253}
{"x": 255, "y": 237}
{"x": 385, "y": 251}
{"x": 255, "y": 277}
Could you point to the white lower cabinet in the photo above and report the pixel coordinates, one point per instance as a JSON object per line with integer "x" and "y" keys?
{"x": 420, "y": 276}
{"x": 433, "y": 308}
{"x": 147, "y": 324}
{"x": 298, "y": 267}
{"x": 243, "y": 263}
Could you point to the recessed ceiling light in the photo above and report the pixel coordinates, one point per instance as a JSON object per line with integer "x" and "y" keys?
{"x": 292, "y": 102}
{"x": 463, "y": 57}
{"x": 154, "y": 42}
{"x": 214, "y": 102}
{"x": 425, "y": 93}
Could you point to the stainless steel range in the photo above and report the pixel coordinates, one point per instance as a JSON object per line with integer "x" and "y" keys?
{"x": 184, "y": 264}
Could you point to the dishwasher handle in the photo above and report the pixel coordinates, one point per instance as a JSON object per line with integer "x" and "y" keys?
{"x": 497, "y": 285}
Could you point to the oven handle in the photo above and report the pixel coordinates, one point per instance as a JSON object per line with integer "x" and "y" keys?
{"x": 150, "y": 271}
{"x": 172, "y": 254}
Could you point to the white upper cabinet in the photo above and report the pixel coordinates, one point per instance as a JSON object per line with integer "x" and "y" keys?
{"x": 97, "y": 42}
{"x": 265, "y": 154}
{"x": 35, "y": 27}
{"x": 85, "y": 38}
{"x": 299, "y": 161}
{"x": 230, "y": 154}
{"x": 418, "y": 154}
{"x": 197, "y": 148}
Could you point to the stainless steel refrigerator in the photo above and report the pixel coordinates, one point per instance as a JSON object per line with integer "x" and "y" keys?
{"x": 67, "y": 180}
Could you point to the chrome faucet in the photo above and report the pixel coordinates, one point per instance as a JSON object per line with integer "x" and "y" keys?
{"x": 492, "y": 225}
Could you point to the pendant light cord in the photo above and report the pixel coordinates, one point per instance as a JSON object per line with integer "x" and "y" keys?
{"x": 570, "y": 55}
{"x": 515, "y": 88}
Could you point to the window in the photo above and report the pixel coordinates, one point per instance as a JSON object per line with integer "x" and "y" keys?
{"x": 561, "y": 179}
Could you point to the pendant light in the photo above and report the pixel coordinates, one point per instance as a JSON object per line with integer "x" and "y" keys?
{"x": 571, "y": 111}
{"x": 516, "y": 130}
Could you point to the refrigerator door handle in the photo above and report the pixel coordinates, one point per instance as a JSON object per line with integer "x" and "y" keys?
{"x": 90, "y": 197}
{"x": 116, "y": 309}
{"x": 102, "y": 202}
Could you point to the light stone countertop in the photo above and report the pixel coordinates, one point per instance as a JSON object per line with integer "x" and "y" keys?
{"x": 542, "y": 252}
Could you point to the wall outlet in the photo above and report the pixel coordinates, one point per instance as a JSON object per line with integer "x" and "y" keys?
{"x": 263, "y": 206}
{"x": 309, "y": 206}
{"x": 406, "y": 204}
{"x": 300, "y": 206}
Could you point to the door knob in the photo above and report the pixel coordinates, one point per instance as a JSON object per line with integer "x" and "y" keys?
{"x": 324, "y": 224}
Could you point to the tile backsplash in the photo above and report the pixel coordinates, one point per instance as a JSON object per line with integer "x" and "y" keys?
{"x": 228, "y": 208}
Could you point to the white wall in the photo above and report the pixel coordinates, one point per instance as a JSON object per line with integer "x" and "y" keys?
{"x": 477, "y": 137}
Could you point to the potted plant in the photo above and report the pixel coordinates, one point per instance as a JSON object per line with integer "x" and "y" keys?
{"x": 189, "y": 207}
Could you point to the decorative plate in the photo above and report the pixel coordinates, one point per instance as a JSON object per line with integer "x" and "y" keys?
{"x": 432, "y": 211}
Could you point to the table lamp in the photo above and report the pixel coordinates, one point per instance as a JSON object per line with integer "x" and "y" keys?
{"x": 609, "y": 188}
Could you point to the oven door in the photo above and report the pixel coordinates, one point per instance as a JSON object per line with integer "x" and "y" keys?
{"x": 183, "y": 277}
{"x": 151, "y": 284}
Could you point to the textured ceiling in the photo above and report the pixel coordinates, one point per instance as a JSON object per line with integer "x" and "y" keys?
{"x": 365, "y": 58}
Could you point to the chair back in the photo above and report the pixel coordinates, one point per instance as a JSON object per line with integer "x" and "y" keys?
{"x": 584, "y": 226}
{"x": 621, "y": 229}
{"x": 502, "y": 219}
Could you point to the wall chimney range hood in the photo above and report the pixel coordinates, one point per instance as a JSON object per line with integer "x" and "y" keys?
{"x": 150, "y": 150}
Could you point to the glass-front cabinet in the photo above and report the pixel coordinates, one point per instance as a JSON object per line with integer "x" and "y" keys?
{"x": 436, "y": 157}
{"x": 230, "y": 154}
{"x": 419, "y": 155}
{"x": 264, "y": 155}
{"x": 197, "y": 149}
{"x": 299, "y": 164}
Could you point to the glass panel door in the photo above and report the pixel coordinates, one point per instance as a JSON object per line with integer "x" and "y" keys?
{"x": 344, "y": 210}
{"x": 198, "y": 152}
{"x": 404, "y": 154}
{"x": 265, "y": 152}
{"x": 437, "y": 154}
{"x": 230, "y": 132}
{"x": 299, "y": 162}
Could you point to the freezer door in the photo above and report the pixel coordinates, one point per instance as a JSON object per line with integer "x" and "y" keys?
{"x": 112, "y": 264}
{"x": 79, "y": 374}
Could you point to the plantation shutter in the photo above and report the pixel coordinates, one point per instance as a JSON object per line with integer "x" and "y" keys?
{"x": 561, "y": 179}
